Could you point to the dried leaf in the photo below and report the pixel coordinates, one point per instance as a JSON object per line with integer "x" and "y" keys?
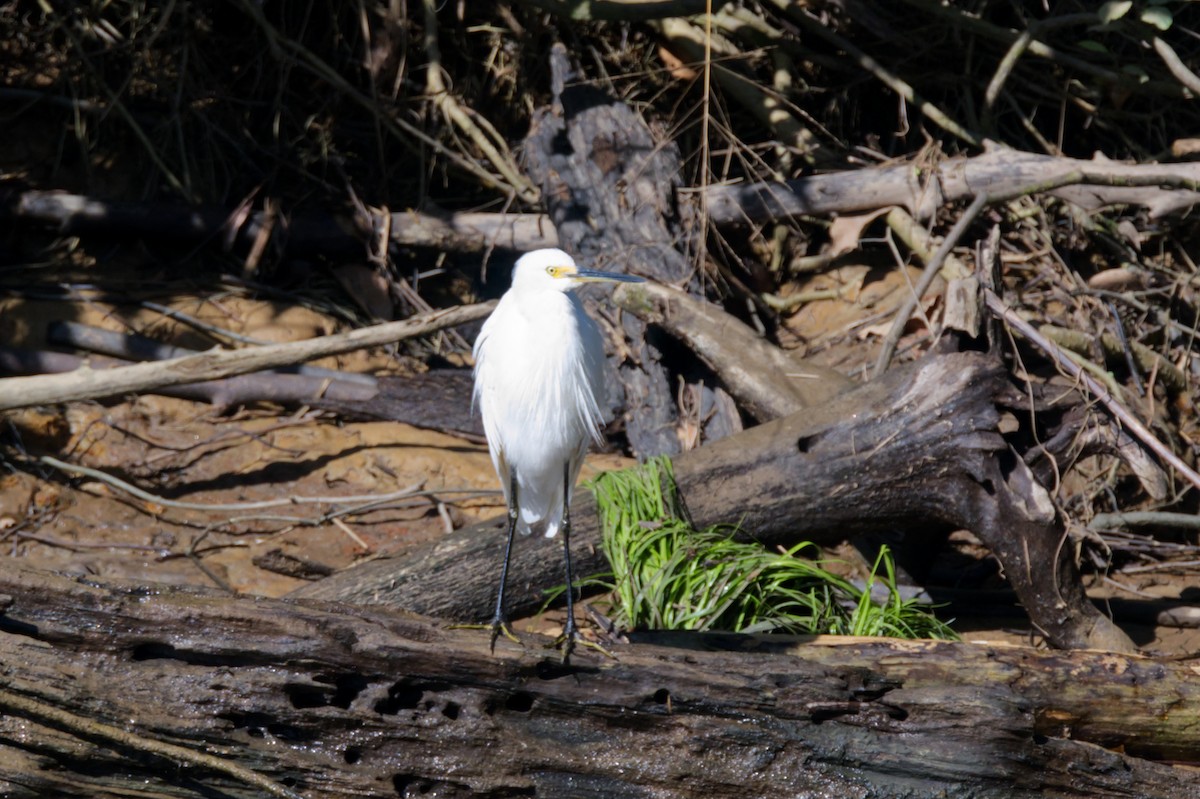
{"x": 847, "y": 231}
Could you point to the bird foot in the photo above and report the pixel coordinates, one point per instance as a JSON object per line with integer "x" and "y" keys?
{"x": 569, "y": 638}
{"x": 496, "y": 627}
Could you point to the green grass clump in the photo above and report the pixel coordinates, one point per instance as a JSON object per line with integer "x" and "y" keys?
{"x": 666, "y": 575}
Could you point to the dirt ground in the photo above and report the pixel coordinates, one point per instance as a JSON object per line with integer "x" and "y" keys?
{"x": 260, "y": 500}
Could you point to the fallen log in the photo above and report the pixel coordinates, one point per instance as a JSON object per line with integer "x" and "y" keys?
{"x": 1000, "y": 173}
{"x": 109, "y": 690}
{"x": 916, "y": 451}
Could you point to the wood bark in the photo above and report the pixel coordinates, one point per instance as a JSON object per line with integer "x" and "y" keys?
{"x": 120, "y": 689}
{"x": 915, "y": 451}
{"x": 767, "y": 382}
{"x": 304, "y": 233}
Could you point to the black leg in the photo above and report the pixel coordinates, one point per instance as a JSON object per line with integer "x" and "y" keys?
{"x": 569, "y": 632}
{"x": 499, "y": 624}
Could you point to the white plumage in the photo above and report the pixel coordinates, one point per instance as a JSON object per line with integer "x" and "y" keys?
{"x": 539, "y": 368}
{"x": 539, "y": 364}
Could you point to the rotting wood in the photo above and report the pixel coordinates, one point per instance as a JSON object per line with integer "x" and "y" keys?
{"x": 916, "y": 451}
{"x": 324, "y": 700}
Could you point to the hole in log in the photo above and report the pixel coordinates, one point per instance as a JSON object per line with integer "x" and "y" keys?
{"x": 662, "y": 696}
{"x": 804, "y": 443}
{"x": 304, "y": 696}
{"x": 521, "y": 702}
{"x": 347, "y": 687}
{"x": 287, "y": 732}
{"x": 410, "y": 785}
{"x": 451, "y": 710}
{"x": 259, "y": 725}
{"x": 400, "y": 697}
{"x": 352, "y": 755}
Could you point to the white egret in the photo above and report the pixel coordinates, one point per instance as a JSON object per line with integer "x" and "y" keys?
{"x": 539, "y": 385}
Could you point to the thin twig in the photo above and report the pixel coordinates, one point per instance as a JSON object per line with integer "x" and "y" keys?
{"x": 1145, "y": 518}
{"x": 1175, "y": 64}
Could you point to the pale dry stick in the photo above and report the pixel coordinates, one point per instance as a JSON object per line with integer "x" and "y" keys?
{"x": 82, "y": 384}
{"x": 1005, "y": 68}
{"x": 1122, "y": 414}
{"x": 482, "y": 134}
{"x": 621, "y": 10}
{"x": 90, "y": 730}
{"x": 1146, "y": 518}
{"x": 1021, "y": 44}
{"x": 932, "y": 267}
{"x": 117, "y": 482}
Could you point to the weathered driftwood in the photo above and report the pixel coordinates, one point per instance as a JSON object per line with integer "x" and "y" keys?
{"x": 766, "y": 381}
{"x": 21, "y": 392}
{"x": 915, "y": 451}
{"x": 999, "y": 173}
{"x": 114, "y": 690}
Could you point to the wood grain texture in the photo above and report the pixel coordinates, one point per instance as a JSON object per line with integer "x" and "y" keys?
{"x": 330, "y": 700}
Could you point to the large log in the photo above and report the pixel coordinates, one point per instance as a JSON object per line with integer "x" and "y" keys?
{"x": 917, "y": 450}
{"x": 120, "y": 689}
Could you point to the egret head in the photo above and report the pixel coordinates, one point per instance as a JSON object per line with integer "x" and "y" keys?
{"x": 553, "y": 269}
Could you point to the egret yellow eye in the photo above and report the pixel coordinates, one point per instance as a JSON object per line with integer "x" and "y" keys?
{"x": 556, "y": 271}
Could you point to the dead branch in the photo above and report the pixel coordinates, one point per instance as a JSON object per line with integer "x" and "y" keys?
{"x": 306, "y": 233}
{"x": 1160, "y": 188}
{"x": 105, "y": 684}
{"x": 765, "y": 380}
{"x": 86, "y": 383}
{"x": 999, "y": 173}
